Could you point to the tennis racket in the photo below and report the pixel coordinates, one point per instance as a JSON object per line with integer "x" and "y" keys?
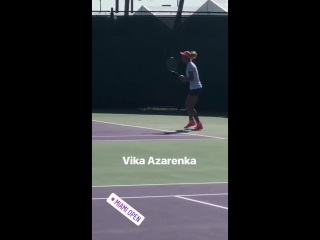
{"x": 172, "y": 65}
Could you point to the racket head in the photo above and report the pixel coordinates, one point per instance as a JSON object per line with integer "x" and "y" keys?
{"x": 172, "y": 64}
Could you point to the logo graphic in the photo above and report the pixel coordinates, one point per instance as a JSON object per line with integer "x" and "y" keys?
{"x": 126, "y": 210}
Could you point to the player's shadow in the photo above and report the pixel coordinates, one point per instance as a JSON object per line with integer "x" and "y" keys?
{"x": 173, "y": 132}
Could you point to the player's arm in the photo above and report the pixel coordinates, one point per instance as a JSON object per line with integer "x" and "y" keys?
{"x": 190, "y": 69}
{"x": 190, "y": 78}
{"x": 187, "y": 79}
{"x": 183, "y": 78}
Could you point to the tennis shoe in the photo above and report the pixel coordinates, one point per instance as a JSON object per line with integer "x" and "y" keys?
{"x": 190, "y": 124}
{"x": 198, "y": 126}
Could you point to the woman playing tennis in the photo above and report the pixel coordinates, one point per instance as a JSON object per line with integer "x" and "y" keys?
{"x": 192, "y": 77}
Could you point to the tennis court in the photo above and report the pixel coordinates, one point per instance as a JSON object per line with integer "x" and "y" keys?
{"x": 177, "y": 201}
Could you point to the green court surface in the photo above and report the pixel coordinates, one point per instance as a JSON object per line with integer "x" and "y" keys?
{"x": 108, "y": 167}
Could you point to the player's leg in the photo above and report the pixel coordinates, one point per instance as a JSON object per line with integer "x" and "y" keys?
{"x": 193, "y": 99}
{"x": 190, "y": 112}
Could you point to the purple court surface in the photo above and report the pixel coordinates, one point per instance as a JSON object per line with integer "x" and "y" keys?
{"x": 103, "y": 131}
{"x": 172, "y": 212}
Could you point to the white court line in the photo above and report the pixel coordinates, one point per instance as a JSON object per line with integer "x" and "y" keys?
{"x": 150, "y": 135}
{"x": 168, "y": 196}
{"x": 158, "y": 184}
{"x": 210, "y": 204}
{"x": 155, "y": 129}
{"x": 154, "y": 139}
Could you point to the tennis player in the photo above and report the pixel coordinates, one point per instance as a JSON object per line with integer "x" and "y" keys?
{"x": 195, "y": 87}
